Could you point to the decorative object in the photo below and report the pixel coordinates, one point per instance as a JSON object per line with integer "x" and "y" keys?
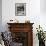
{"x": 45, "y": 35}
{"x": 27, "y": 21}
{"x": 13, "y": 21}
{"x": 41, "y": 36}
{"x": 1, "y": 40}
{"x": 20, "y": 9}
{"x": 7, "y": 38}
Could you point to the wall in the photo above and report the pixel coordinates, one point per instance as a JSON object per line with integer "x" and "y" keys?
{"x": 35, "y": 12}
{"x": 43, "y": 6}
{"x": 32, "y": 11}
{"x": 32, "y": 14}
{"x": 43, "y": 14}
{"x": 0, "y": 14}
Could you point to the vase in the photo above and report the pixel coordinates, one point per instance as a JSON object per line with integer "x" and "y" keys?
{"x": 41, "y": 43}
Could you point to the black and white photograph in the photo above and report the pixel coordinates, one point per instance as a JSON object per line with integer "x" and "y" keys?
{"x": 20, "y": 9}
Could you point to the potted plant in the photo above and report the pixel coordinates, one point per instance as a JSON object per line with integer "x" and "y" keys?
{"x": 41, "y": 36}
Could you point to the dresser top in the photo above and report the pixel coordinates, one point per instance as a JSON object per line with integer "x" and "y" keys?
{"x": 19, "y": 23}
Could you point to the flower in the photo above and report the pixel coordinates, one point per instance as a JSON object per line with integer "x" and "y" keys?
{"x": 40, "y": 33}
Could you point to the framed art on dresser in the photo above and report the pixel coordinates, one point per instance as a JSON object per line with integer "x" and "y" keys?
{"x": 20, "y": 9}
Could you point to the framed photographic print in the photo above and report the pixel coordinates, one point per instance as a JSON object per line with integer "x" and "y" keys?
{"x": 20, "y": 9}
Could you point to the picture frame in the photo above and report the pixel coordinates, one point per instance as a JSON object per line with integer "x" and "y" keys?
{"x": 20, "y": 9}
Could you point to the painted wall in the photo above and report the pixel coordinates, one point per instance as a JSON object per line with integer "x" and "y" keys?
{"x": 33, "y": 13}
{"x": 0, "y": 15}
{"x": 43, "y": 14}
{"x": 43, "y": 6}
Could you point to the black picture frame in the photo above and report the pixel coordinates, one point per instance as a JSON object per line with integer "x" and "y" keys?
{"x": 20, "y": 9}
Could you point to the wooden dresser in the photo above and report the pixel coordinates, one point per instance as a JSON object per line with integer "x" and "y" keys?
{"x": 22, "y": 33}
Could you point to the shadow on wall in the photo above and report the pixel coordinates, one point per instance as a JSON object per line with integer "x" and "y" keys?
{"x": 0, "y": 15}
{"x": 43, "y": 6}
